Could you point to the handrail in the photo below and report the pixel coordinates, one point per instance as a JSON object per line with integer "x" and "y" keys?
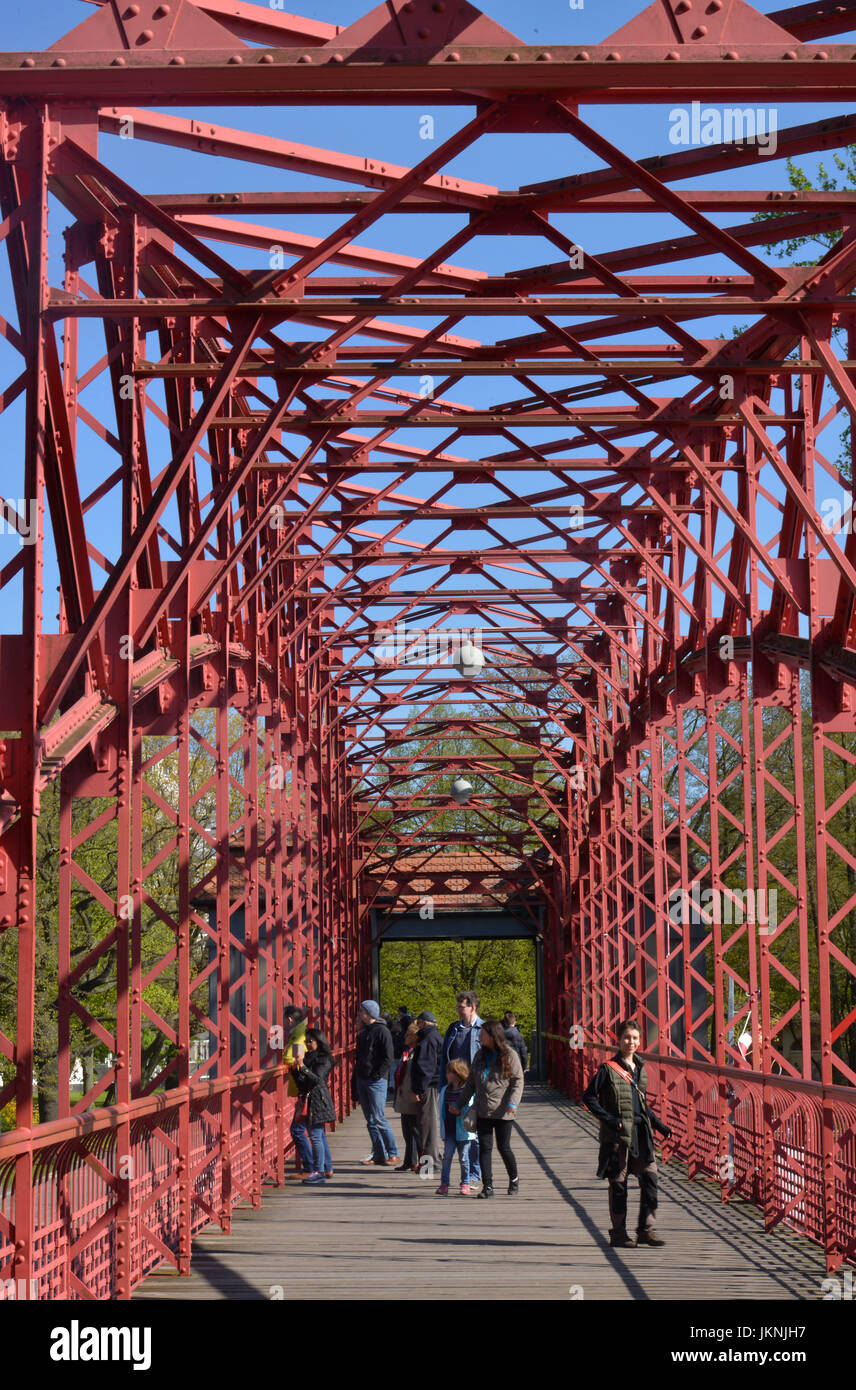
{"x": 765, "y": 1078}
{"x": 109, "y": 1116}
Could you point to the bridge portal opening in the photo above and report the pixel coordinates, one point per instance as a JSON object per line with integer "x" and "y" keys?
{"x": 423, "y": 963}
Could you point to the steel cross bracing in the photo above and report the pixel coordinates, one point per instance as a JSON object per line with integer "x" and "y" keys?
{"x": 247, "y": 470}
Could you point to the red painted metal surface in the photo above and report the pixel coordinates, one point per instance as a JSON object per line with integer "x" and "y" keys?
{"x": 636, "y": 527}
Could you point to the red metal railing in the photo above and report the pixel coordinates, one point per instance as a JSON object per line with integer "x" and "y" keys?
{"x": 238, "y": 1139}
{"x": 759, "y": 1136}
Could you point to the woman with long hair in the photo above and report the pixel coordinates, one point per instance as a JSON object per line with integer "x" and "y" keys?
{"x": 311, "y": 1079}
{"x": 496, "y": 1080}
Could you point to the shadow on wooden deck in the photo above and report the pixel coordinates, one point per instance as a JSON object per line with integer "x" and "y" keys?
{"x": 372, "y": 1233}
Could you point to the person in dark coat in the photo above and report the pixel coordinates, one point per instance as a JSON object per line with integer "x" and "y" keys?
{"x": 405, "y": 1102}
{"x": 369, "y": 1082}
{"x": 616, "y": 1094}
{"x": 311, "y": 1077}
{"x": 514, "y": 1037}
{"x": 425, "y": 1084}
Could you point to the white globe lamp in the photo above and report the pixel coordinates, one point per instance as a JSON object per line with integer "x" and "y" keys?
{"x": 462, "y": 790}
{"x": 470, "y": 659}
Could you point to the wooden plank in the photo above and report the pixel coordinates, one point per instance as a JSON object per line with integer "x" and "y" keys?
{"x": 372, "y": 1233}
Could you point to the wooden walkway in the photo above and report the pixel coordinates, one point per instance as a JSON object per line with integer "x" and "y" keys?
{"x": 375, "y": 1234}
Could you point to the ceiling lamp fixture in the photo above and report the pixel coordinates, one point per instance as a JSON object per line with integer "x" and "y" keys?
{"x": 470, "y": 659}
{"x": 462, "y": 790}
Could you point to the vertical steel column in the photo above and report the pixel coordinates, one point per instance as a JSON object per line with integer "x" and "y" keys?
{"x": 181, "y": 647}
{"x": 121, "y": 667}
{"x": 33, "y": 178}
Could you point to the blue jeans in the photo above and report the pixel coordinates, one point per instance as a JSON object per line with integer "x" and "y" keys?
{"x": 463, "y": 1147}
{"x": 313, "y": 1148}
{"x": 475, "y": 1160}
{"x": 372, "y": 1095}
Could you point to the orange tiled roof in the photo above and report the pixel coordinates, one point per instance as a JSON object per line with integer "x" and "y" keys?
{"x": 468, "y": 879}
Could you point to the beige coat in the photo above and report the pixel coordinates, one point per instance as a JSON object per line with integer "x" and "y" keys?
{"x": 495, "y": 1093}
{"x": 405, "y": 1102}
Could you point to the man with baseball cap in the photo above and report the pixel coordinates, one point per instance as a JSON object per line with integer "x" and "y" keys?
{"x": 369, "y": 1083}
{"x": 425, "y": 1082}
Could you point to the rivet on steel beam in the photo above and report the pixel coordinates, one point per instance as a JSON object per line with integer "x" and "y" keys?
{"x": 674, "y": 56}
{"x": 545, "y": 57}
{"x": 147, "y": 35}
{"x": 28, "y": 63}
{"x": 236, "y": 58}
{"x": 700, "y": 32}
{"x": 453, "y": 57}
{"x": 118, "y": 63}
{"x": 583, "y": 57}
{"x": 439, "y": 7}
{"x": 178, "y": 62}
{"x": 424, "y": 33}
{"x": 268, "y": 57}
{"x": 714, "y": 6}
{"x": 304, "y": 58}
{"x": 732, "y": 53}
{"x": 512, "y": 58}
{"x": 823, "y": 55}
{"x": 791, "y": 53}
{"x": 334, "y": 58}
{"x": 395, "y": 57}
{"x": 59, "y": 62}
{"x": 162, "y": 11}
{"x": 613, "y": 57}
{"x": 131, "y": 12}
{"x": 683, "y": 6}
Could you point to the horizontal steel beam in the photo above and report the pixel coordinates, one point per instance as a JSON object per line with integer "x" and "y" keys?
{"x": 498, "y": 366}
{"x": 64, "y": 305}
{"x": 452, "y": 75}
{"x": 312, "y": 203}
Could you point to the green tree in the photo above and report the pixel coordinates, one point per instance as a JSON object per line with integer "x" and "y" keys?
{"x": 429, "y": 975}
{"x": 91, "y": 923}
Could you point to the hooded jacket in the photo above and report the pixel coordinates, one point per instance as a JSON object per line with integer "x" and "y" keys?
{"x": 462, "y": 1135}
{"x": 312, "y": 1083}
{"x": 494, "y": 1092}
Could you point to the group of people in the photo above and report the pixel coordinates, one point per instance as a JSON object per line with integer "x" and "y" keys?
{"x": 457, "y": 1093}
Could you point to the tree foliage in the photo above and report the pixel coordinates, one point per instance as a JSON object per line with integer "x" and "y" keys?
{"x": 91, "y": 922}
{"x": 429, "y": 974}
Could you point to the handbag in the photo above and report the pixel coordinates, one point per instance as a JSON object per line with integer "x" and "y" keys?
{"x": 469, "y": 1119}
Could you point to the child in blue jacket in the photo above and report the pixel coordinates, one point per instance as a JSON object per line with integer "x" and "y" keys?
{"x": 455, "y": 1135}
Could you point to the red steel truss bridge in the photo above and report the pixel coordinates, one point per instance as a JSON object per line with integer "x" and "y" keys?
{"x": 595, "y": 415}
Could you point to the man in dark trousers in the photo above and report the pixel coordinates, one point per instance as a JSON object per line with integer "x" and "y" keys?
{"x": 515, "y": 1037}
{"x": 369, "y": 1083}
{"x": 425, "y": 1084}
{"x": 617, "y": 1095}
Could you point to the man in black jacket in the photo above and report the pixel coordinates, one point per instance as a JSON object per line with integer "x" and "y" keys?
{"x": 425, "y": 1081}
{"x": 369, "y": 1083}
{"x": 515, "y": 1037}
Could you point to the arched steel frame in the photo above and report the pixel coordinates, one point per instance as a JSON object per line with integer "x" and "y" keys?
{"x": 639, "y": 523}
